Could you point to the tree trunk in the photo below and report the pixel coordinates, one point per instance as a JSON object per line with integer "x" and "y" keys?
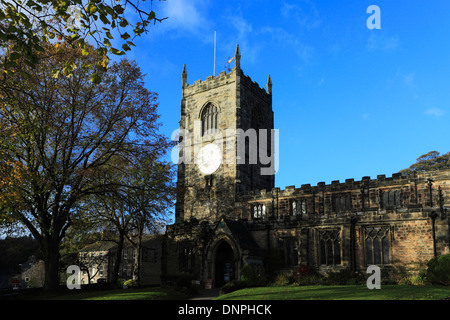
{"x": 51, "y": 260}
{"x": 137, "y": 261}
{"x": 116, "y": 268}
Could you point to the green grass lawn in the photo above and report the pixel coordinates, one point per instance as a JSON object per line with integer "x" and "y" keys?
{"x": 358, "y": 292}
{"x": 150, "y": 293}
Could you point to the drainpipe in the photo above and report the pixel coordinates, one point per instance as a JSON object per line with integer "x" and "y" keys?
{"x": 269, "y": 269}
{"x": 433, "y": 216}
{"x": 353, "y": 243}
{"x": 441, "y": 203}
{"x": 430, "y": 184}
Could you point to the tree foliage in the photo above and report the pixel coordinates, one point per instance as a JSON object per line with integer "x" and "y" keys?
{"x": 432, "y": 160}
{"x": 149, "y": 202}
{"x": 61, "y": 139}
{"x": 15, "y": 251}
{"x": 26, "y": 24}
{"x": 139, "y": 205}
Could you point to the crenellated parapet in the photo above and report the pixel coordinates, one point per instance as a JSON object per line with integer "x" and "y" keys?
{"x": 211, "y": 82}
{"x": 399, "y": 192}
{"x": 222, "y": 79}
{"x": 254, "y": 87}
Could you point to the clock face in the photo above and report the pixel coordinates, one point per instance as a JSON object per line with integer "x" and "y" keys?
{"x": 209, "y": 158}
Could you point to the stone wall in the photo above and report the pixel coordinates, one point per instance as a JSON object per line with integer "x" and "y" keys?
{"x": 407, "y": 224}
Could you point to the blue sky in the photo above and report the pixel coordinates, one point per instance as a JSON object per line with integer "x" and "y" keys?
{"x": 348, "y": 101}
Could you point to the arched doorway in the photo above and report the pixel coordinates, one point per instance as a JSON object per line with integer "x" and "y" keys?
{"x": 224, "y": 264}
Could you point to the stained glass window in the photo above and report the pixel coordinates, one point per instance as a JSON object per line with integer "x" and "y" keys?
{"x": 377, "y": 245}
{"x": 330, "y": 247}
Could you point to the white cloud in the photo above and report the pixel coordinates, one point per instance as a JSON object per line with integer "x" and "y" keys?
{"x": 185, "y": 16}
{"x": 404, "y": 80}
{"x": 241, "y": 32}
{"x": 408, "y": 79}
{"x": 282, "y": 38}
{"x": 434, "y": 111}
{"x": 304, "y": 13}
{"x": 382, "y": 43}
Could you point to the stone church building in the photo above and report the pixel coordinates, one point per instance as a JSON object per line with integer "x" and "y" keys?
{"x": 229, "y": 214}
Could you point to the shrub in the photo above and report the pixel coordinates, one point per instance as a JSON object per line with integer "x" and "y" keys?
{"x": 303, "y": 271}
{"x": 251, "y": 279}
{"x": 414, "y": 280}
{"x": 310, "y": 280}
{"x": 184, "y": 283}
{"x": 260, "y": 280}
{"x": 439, "y": 270}
{"x": 415, "y": 274}
{"x": 248, "y": 279}
{"x": 247, "y": 274}
{"x": 130, "y": 283}
{"x": 345, "y": 277}
{"x": 283, "y": 279}
{"x": 233, "y": 286}
{"x": 306, "y": 276}
{"x": 399, "y": 274}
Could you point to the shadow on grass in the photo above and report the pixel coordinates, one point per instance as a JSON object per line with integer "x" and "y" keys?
{"x": 388, "y": 292}
{"x": 145, "y": 293}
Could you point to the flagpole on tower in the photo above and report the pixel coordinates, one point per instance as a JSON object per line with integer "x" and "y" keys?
{"x": 214, "y": 53}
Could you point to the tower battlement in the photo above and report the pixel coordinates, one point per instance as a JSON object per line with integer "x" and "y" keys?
{"x": 225, "y": 78}
{"x": 236, "y": 75}
{"x": 210, "y": 83}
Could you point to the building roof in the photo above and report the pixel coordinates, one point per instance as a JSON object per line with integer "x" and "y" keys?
{"x": 99, "y": 246}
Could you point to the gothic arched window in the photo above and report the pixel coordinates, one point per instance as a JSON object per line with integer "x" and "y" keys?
{"x": 209, "y": 118}
{"x": 298, "y": 207}
{"x": 259, "y": 211}
{"x": 341, "y": 203}
{"x": 391, "y": 199}
{"x": 376, "y": 242}
{"x": 330, "y": 247}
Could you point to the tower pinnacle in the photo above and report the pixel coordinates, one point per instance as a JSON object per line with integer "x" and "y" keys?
{"x": 184, "y": 76}
{"x": 269, "y": 85}
{"x": 237, "y": 57}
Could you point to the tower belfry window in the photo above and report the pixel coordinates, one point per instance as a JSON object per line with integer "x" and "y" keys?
{"x": 209, "y": 119}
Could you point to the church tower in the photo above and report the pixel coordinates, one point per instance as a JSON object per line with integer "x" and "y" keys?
{"x": 225, "y": 143}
